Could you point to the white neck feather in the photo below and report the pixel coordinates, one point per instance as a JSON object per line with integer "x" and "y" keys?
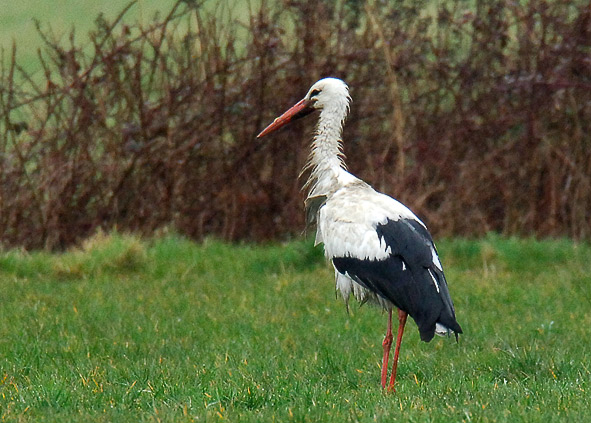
{"x": 326, "y": 158}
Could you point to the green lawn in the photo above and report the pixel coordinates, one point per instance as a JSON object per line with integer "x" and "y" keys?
{"x": 169, "y": 330}
{"x": 58, "y": 17}
{"x": 17, "y": 21}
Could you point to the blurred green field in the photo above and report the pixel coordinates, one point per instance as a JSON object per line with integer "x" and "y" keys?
{"x": 125, "y": 329}
{"x": 17, "y": 21}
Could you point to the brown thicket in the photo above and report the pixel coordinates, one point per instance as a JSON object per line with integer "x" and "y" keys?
{"x": 479, "y": 119}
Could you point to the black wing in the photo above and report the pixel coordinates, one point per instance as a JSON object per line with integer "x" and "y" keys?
{"x": 410, "y": 277}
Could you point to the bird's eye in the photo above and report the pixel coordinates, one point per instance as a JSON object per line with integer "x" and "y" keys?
{"x": 314, "y": 93}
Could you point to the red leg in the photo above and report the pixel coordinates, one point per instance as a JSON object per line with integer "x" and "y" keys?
{"x": 401, "y": 322}
{"x": 387, "y": 344}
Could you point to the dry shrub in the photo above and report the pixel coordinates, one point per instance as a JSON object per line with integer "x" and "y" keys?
{"x": 478, "y": 119}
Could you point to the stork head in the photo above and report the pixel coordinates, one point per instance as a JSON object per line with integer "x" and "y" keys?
{"x": 326, "y": 94}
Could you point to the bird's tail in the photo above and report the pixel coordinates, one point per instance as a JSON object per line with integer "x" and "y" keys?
{"x": 442, "y": 330}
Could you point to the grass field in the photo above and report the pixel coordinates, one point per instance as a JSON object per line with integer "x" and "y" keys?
{"x": 168, "y": 330}
{"x": 17, "y": 22}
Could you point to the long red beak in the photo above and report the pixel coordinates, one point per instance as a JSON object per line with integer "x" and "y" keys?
{"x": 300, "y": 109}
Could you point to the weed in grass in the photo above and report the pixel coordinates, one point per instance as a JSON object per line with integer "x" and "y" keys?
{"x": 111, "y": 253}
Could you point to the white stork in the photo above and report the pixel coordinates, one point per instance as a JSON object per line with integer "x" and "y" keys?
{"x": 380, "y": 250}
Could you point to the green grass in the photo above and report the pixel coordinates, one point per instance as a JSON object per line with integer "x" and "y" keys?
{"x": 17, "y": 22}
{"x": 168, "y": 330}
{"x": 59, "y": 17}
